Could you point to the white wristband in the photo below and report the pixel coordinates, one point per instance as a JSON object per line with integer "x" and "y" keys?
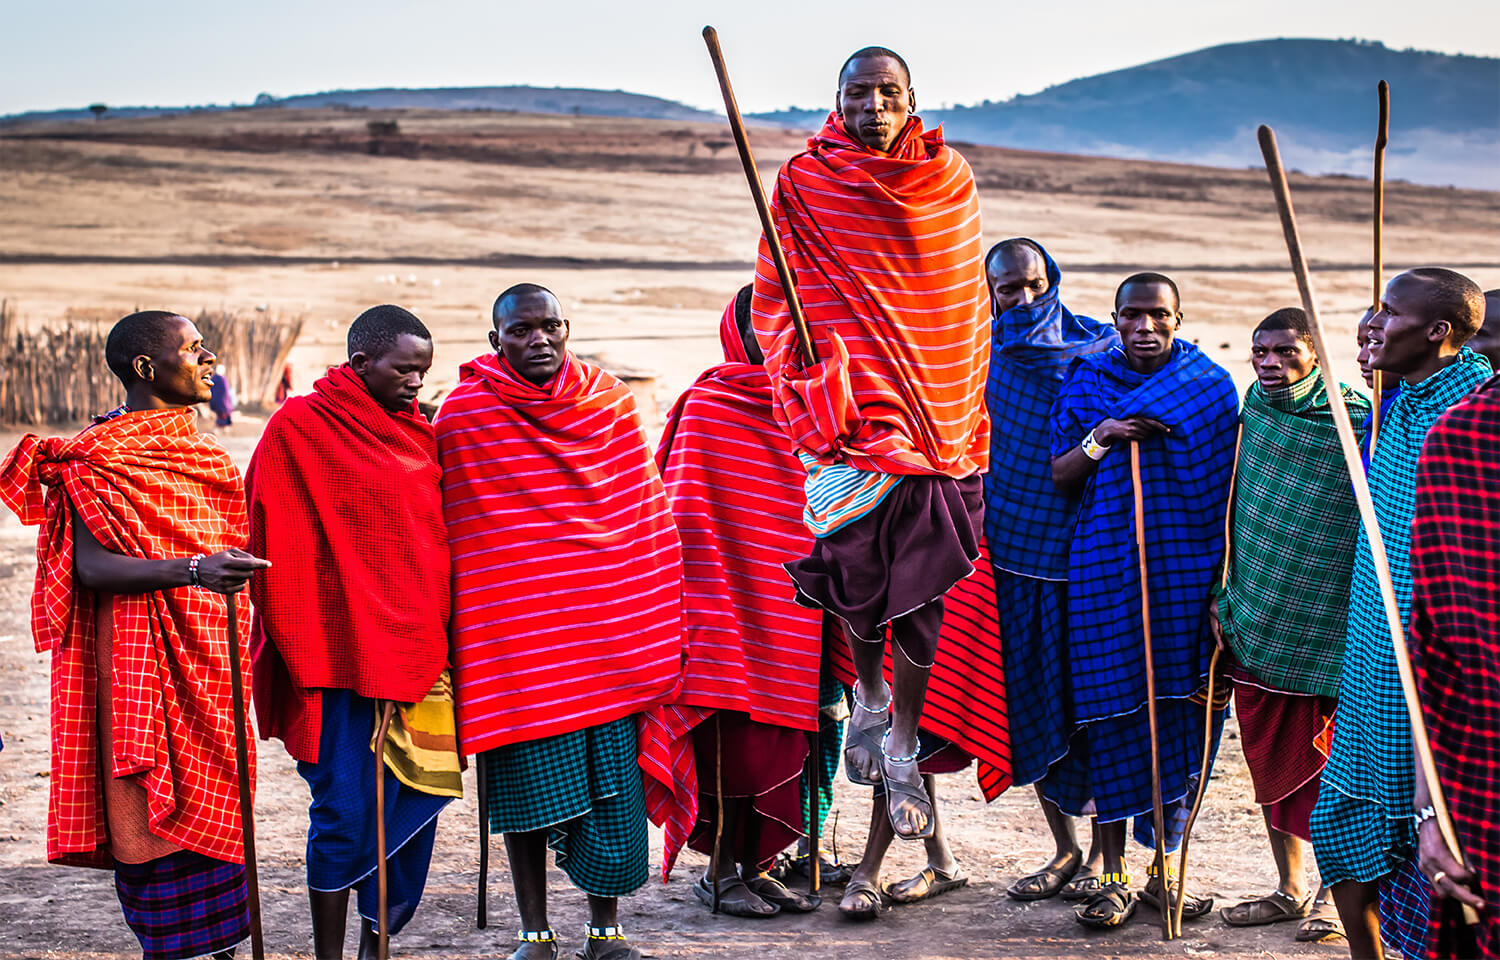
{"x": 1092, "y": 448}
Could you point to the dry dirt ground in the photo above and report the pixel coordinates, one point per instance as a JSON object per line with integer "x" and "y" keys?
{"x": 645, "y": 230}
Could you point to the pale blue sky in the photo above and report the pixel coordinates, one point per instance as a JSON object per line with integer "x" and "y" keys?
{"x": 68, "y": 53}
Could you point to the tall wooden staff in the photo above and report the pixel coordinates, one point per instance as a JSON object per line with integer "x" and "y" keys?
{"x": 1362, "y": 496}
{"x": 242, "y": 761}
{"x": 1158, "y": 819}
{"x": 481, "y": 773}
{"x": 758, "y": 192}
{"x": 1382, "y": 134}
{"x": 382, "y": 888}
{"x": 1208, "y": 706}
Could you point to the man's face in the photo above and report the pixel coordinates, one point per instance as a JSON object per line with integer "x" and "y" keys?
{"x": 1487, "y": 340}
{"x": 1362, "y": 337}
{"x": 1280, "y": 358}
{"x": 181, "y": 374}
{"x": 1147, "y": 318}
{"x": 395, "y": 377}
{"x": 531, "y": 335}
{"x": 1402, "y": 339}
{"x": 1016, "y": 277}
{"x": 875, "y": 97}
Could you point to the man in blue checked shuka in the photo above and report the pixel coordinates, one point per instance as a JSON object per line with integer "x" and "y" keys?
{"x": 1183, "y": 409}
{"x": 1029, "y": 524}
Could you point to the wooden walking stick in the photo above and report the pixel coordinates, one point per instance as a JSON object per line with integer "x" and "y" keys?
{"x": 758, "y": 193}
{"x": 1362, "y": 497}
{"x": 1158, "y": 819}
{"x": 814, "y": 796}
{"x": 1208, "y": 706}
{"x": 713, "y": 862}
{"x": 1382, "y": 134}
{"x": 483, "y": 790}
{"x": 382, "y": 914}
{"x": 242, "y": 762}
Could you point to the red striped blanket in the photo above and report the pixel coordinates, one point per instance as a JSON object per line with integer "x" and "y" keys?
{"x": 567, "y": 569}
{"x": 889, "y": 268}
{"x": 146, "y": 484}
{"x": 736, "y": 492}
{"x": 966, "y": 688}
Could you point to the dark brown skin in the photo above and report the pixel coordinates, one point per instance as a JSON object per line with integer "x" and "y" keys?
{"x": 1147, "y": 318}
{"x": 395, "y": 377}
{"x": 1404, "y": 341}
{"x": 1280, "y": 358}
{"x": 1016, "y": 277}
{"x": 532, "y": 335}
{"x": 875, "y": 99}
{"x": 1435, "y": 859}
{"x": 178, "y": 376}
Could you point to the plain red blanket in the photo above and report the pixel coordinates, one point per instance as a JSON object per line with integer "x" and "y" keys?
{"x": 966, "y": 688}
{"x": 345, "y": 502}
{"x": 736, "y": 492}
{"x": 889, "y": 267}
{"x": 146, "y": 485}
{"x": 567, "y": 570}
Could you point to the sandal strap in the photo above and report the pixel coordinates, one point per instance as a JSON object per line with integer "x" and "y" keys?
{"x": 613, "y": 932}
{"x": 536, "y": 936}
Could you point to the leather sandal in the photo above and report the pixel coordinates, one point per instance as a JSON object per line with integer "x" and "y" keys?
{"x": 867, "y": 905}
{"x": 1274, "y": 907}
{"x": 928, "y": 883}
{"x": 867, "y": 738}
{"x": 1045, "y": 883}
{"x": 898, "y": 791}
{"x": 1111, "y": 907}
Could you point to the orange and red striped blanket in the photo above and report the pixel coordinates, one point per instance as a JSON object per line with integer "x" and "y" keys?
{"x": 146, "y": 484}
{"x": 567, "y": 569}
{"x": 889, "y": 267}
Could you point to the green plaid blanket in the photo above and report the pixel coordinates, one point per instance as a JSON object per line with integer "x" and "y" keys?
{"x": 1285, "y": 606}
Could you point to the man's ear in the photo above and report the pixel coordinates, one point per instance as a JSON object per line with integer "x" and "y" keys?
{"x": 144, "y": 372}
{"x": 1440, "y": 331}
{"x": 359, "y": 362}
{"x": 911, "y": 99}
{"x": 495, "y": 341}
{"x": 838, "y": 102}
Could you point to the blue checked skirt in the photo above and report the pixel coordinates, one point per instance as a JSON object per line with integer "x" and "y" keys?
{"x": 1033, "y": 615}
{"x": 341, "y": 828}
{"x": 584, "y": 788}
{"x": 183, "y": 905}
{"x": 1404, "y": 910}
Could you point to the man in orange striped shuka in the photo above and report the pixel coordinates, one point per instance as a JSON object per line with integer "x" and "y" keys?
{"x": 879, "y": 220}
{"x": 143, "y": 520}
{"x": 567, "y": 587}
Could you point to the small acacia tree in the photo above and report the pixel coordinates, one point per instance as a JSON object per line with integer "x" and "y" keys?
{"x": 97, "y": 109}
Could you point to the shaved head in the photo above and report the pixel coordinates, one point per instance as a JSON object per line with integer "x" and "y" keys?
{"x": 144, "y": 334}
{"x": 506, "y": 302}
{"x": 872, "y": 53}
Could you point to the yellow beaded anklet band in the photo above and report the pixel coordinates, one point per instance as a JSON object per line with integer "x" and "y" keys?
{"x": 1110, "y": 879}
{"x": 536, "y": 936}
{"x": 615, "y": 932}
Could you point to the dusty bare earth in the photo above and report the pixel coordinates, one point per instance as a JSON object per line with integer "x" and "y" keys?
{"x": 645, "y": 230}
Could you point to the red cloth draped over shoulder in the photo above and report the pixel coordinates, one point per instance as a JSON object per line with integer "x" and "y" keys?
{"x": 888, "y": 262}
{"x": 567, "y": 570}
{"x": 1455, "y": 638}
{"x": 146, "y": 484}
{"x": 736, "y": 493}
{"x": 346, "y": 503}
{"x": 966, "y": 688}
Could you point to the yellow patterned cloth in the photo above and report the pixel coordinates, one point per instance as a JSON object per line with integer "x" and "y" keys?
{"x": 421, "y": 747}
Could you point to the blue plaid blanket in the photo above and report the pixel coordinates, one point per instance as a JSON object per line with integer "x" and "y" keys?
{"x": 1185, "y": 479}
{"x": 1027, "y": 520}
{"x": 1362, "y": 827}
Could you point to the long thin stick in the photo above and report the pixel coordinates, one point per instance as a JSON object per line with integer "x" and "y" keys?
{"x": 758, "y": 192}
{"x": 1382, "y": 135}
{"x": 1362, "y": 496}
{"x": 814, "y": 794}
{"x": 382, "y": 914}
{"x": 242, "y": 761}
{"x": 480, "y": 778}
{"x": 1208, "y": 706}
{"x": 1158, "y": 819}
{"x": 718, "y": 799}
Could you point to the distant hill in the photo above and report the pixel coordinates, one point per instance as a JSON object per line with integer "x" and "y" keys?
{"x": 1203, "y": 107}
{"x": 595, "y": 103}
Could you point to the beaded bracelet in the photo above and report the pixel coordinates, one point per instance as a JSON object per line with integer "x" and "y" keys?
{"x": 193, "y": 570}
{"x": 1092, "y": 448}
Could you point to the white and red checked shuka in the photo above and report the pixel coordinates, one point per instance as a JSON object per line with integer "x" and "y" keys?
{"x": 567, "y": 569}
{"x": 736, "y": 493}
{"x": 887, "y": 256}
{"x": 146, "y": 484}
